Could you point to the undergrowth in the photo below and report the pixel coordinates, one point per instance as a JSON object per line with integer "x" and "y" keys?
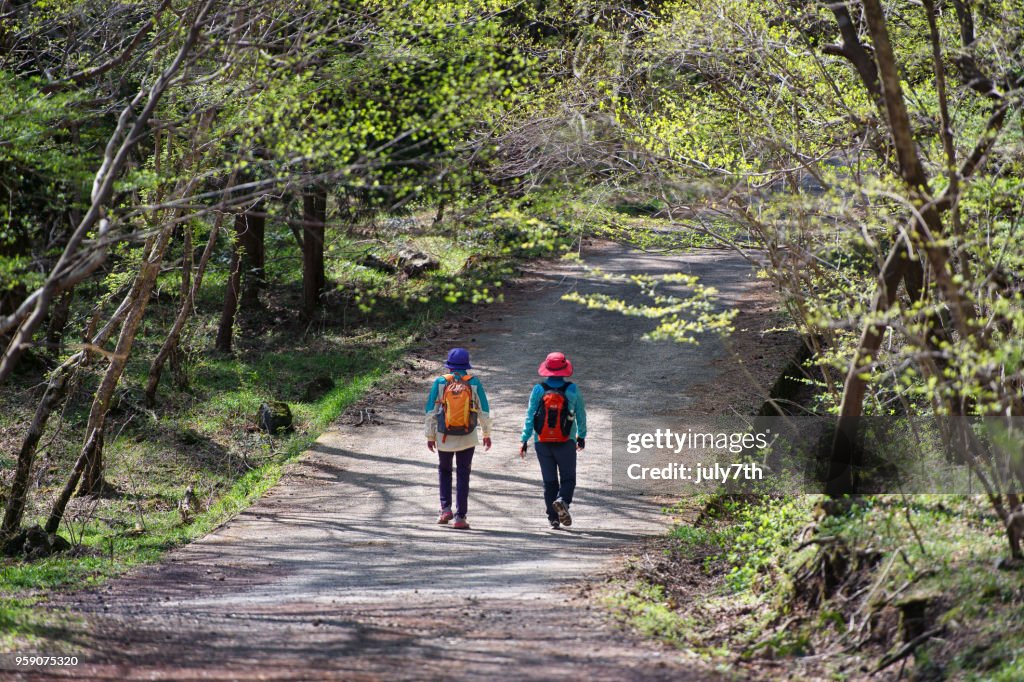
{"x": 893, "y": 585}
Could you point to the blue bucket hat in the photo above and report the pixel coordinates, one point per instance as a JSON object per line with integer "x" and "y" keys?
{"x": 458, "y": 358}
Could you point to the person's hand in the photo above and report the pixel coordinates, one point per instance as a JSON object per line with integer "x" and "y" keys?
{"x": 581, "y": 443}
{"x": 522, "y": 450}
{"x": 430, "y": 445}
{"x": 487, "y": 442}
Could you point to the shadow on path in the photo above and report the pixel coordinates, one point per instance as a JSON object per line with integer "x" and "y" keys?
{"x": 340, "y": 571}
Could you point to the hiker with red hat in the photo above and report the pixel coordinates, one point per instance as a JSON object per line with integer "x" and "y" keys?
{"x": 456, "y": 406}
{"x": 557, "y": 419}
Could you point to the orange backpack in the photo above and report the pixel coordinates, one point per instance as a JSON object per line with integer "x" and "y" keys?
{"x": 458, "y": 413}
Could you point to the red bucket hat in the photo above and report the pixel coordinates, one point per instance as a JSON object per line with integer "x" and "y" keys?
{"x": 555, "y": 365}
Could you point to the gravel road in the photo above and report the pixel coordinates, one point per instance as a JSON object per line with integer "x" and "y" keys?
{"x": 340, "y": 571}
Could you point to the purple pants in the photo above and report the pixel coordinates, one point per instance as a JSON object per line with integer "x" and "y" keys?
{"x": 463, "y": 462}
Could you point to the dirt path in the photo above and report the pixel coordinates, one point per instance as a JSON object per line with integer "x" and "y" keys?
{"x": 341, "y": 573}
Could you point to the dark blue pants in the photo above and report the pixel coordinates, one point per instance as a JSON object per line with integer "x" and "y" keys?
{"x": 558, "y": 469}
{"x": 463, "y": 463}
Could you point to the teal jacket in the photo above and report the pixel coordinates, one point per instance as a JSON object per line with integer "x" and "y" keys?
{"x": 438, "y": 386}
{"x": 452, "y": 443}
{"x": 576, "y": 408}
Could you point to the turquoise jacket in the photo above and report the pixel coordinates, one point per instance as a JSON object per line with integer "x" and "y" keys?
{"x": 453, "y": 443}
{"x": 576, "y": 408}
{"x": 438, "y": 386}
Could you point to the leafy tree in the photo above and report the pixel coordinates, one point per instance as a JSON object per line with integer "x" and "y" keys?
{"x": 866, "y": 148}
{"x": 227, "y": 107}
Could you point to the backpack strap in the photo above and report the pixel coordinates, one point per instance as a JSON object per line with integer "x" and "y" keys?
{"x": 563, "y": 389}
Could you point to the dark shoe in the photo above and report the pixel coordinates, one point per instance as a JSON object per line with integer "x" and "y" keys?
{"x": 446, "y": 516}
{"x": 461, "y": 523}
{"x": 555, "y": 525}
{"x": 562, "y": 509}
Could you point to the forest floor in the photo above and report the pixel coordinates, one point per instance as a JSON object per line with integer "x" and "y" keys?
{"x": 340, "y": 572}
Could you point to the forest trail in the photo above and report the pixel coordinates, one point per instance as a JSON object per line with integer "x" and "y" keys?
{"x": 340, "y": 571}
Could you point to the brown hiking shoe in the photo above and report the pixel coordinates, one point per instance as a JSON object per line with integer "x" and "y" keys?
{"x": 562, "y": 509}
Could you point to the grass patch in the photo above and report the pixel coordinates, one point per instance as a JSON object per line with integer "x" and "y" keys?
{"x": 772, "y": 578}
{"x": 649, "y": 610}
{"x": 150, "y": 465}
{"x": 21, "y": 623}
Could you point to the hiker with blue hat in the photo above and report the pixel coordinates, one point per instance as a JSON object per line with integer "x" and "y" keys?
{"x": 557, "y": 419}
{"x": 456, "y": 406}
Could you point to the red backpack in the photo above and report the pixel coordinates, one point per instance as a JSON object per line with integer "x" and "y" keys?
{"x": 553, "y": 421}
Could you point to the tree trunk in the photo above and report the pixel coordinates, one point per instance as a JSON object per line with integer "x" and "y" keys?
{"x": 250, "y": 227}
{"x": 93, "y": 482}
{"x": 314, "y": 214}
{"x": 174, "y": 357}
{"x": 62, "y": 309}
{"x": 856, "y": 52}
{"x": 55, "y": 392}
{"x": 58, "y": 321}
{"x": 61, "y": 503}
{"x": 187, "y": 261}
{"x": 92, "y": 479}
{"x": 169, "y": 350}
{"x": 925, "y": 228}
{"x": 227, "y": 316}
{"x": 844, "y": 457}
